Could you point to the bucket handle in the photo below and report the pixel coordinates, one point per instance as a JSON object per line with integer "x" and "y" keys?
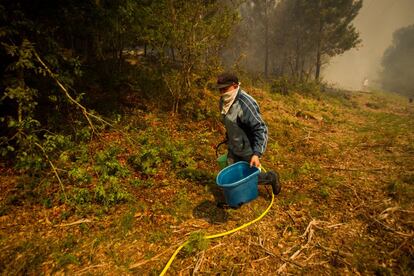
{"x": 218, "y": 146}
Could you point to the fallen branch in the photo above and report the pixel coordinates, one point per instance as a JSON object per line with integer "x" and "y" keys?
{"x": 267, "y": 251}
{"x": 90, "y": 267}
{"x": 54, "y": 170}
{"x": 393, "y": 210}
{"x": 335, "y": 225}
{"x": 309, "y": 234}
{"x": 85, "y": 112}
{"x": 198, "y": 263}
{"x": 261, "y": 259}
{"x": 75, "y": 223}
{"x": 392, "y": 229}
{"x": 354, "y": 169}
{"x": 291, "y": 217}
{"x": 337, "y": 251}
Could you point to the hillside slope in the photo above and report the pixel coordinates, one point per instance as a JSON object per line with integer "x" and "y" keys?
{"x": 347, "y": 166}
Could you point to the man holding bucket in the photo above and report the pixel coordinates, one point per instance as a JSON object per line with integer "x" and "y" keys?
{"x": 246, "y": 131}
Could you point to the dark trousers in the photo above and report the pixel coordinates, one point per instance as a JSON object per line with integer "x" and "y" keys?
{"x": 264, "y": 177}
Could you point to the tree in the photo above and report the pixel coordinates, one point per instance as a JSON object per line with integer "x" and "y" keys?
{"x": 294, "y": 38}
{"x": 331, "y": 23}
{"x": 293, "y": 41}
{"x": 398, "y": 73}
{"x": 186, "y": 37}
{"x": 48, "y": 54}
{"x": 255, "y": 34}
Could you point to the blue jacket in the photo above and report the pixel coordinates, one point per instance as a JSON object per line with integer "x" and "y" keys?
{"x": 246, "y": 131}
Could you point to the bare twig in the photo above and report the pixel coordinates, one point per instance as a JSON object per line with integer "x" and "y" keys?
{"x": 199, "y": 263}
{"x": 54, "y": 169}
{"x": 267, "y": 251}
{"x": 337, "y": 251}
{"x": 395, "y": 209}
{"x": 308, "y": 233}
{"x": 261, "y": 259}
{"x": 291, "y": 217}
{"x": 74, "y": 223}
{"x": 335, "y": 225}
{"x": 90, "y": 267}
{"x": 85, "y": 112}
{"x": 392, "y": 229}
{"x": 355, "y": 169}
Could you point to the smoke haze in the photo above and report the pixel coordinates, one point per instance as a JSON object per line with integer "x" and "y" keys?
{"x": 376, "y": 22}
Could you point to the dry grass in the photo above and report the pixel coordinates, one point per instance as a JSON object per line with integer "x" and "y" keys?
{"x": 346, "y": 205}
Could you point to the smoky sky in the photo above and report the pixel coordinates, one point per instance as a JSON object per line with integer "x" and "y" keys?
{"x": 376, "y": 23}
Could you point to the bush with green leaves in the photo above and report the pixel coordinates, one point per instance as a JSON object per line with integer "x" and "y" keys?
{"x": 81, "y": 196}
{"x": 147, "y": 161}
{"x": 109, "y": 191}
{"x": 107, "y": 164}
{"x": 79, "y": 175}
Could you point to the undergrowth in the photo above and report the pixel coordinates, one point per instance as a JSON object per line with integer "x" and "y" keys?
{"x": 138, "y": 189}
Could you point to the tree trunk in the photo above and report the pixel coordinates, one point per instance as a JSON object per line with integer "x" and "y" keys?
{"x": 318, "y": 49}
{"x": 319, "y": 45}
{"x": 318, "y": 64}
{"x": 297, "y": 59}
{"x": 266, "y": 61}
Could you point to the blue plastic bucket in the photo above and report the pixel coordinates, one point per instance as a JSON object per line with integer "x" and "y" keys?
{"x": 239, "y": 182}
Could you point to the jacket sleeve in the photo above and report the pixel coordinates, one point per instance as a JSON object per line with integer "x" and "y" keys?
{"x": 253, "y": 125}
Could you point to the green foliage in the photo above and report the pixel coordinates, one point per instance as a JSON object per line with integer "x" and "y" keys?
{"x": 179, "y": 153}
{"x": 147, "y": 162}
{"x": 324, "y": 192}
{"x": 109, "y": 189}
{"x": 373, "y": 105}
{"x": 109, "y": 192}
{"x": 81, "y": 196}
{"x": 282, "y": 85}
{"x": 159, "y": 148}
{"x": 397, "y": 74}
{"x": 196, "y": 242}
{"x": 157, "y": 236}
{"x": 293, "y": 38}
{"x": 140, "y": 183}
{"x": 79, "y": 176}
{"x": 308, "y": 168}
{"x": 127, "y": 221}
{"x": 106, "y": 163}
{"x": 193, "y": 33}
{"x": 197, "y": 175}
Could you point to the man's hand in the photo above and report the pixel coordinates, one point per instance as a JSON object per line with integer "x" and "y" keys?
{"x": 255, "y": 161}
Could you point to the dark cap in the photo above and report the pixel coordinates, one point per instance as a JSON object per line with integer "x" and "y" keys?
{"x": 226, "y": 79}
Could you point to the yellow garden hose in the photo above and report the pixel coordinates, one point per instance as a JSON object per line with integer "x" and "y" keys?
{"x": 167, "y": 266}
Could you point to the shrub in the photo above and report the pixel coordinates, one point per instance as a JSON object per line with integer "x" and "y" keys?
{"x": 106, "y": 163}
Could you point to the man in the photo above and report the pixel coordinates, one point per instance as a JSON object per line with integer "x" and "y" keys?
{"x": 246, "y": 130}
